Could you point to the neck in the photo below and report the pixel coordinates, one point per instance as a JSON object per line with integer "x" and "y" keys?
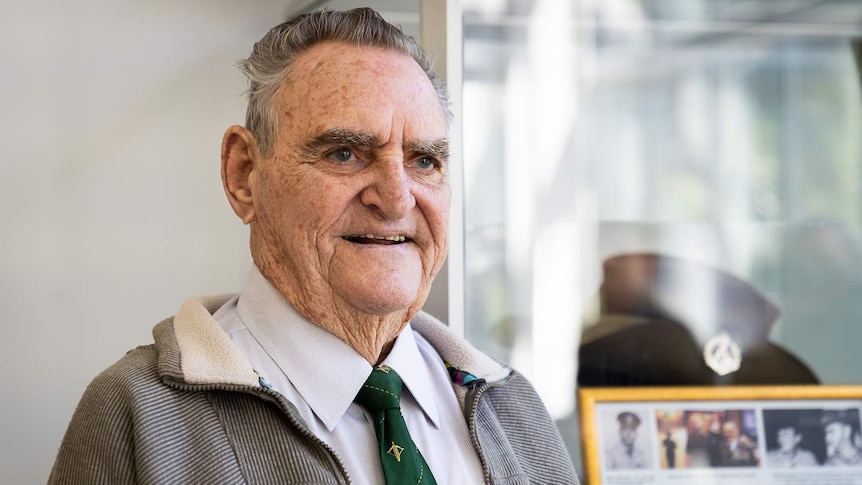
{"x": 370, "y": 335}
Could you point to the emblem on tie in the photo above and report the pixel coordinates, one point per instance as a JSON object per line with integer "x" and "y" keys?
{"x": 395, "y": 451}
{"x": 381, "y": 397}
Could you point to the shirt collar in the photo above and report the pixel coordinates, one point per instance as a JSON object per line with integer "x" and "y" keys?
{"x": 324, "y": 369}
{"x": 407, "y": 361}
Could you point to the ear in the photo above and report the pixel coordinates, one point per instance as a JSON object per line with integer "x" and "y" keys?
{"x": 239, "y": 159}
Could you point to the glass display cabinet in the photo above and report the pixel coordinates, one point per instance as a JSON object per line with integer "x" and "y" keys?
{"x": 662, "y": 192}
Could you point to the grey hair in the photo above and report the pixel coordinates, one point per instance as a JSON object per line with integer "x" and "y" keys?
{"x": 272, "y": 57}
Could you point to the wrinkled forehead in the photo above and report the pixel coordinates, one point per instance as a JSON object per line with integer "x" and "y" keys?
{"x": 336, "y": 84}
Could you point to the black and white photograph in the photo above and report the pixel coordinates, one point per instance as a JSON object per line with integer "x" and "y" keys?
{"x": 804, "y": 438}
{"x": 794, "y": 438}
{"x": 627, "y": 441}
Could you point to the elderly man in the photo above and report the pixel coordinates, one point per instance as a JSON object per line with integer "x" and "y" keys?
{"x": 323, "y": 369}
{"x": 737, "y": 448}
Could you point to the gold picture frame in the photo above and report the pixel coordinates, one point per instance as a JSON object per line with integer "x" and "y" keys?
{"x": 678, "y": 418}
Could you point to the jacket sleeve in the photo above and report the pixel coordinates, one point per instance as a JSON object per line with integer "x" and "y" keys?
{"x": 98, "y": 447}
{"x": 517, "y": 438}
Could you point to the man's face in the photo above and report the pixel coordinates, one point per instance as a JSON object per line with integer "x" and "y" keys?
{"x": 352, "y": 207}
{"x": 834, "y": 434}
{"x": 788, "y": 438}
{"x": 628, "y": 435}
{"x": 730, "y": 431}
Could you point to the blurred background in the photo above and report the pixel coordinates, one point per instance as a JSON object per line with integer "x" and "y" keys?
{"x": 722, "y": 134}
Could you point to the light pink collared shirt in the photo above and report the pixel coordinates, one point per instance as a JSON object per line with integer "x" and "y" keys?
{"x": 321, "y": 375}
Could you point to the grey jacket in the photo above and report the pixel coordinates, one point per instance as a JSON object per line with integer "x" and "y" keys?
{"x": 190, "y": 409}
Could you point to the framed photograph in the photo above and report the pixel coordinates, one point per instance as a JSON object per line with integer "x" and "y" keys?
{"x": 742, "y": 435}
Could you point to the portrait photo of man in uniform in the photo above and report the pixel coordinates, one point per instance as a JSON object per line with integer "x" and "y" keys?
{"x": 626, "y": 450}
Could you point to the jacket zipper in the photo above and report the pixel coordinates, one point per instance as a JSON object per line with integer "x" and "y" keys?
{"x": 472, "y": 399}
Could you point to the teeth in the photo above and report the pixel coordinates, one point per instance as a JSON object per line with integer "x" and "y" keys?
{"x": 386, "y": 238}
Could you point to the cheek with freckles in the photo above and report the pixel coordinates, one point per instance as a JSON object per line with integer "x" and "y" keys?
{"x": 436, "y": 213}
{"x": 293, "y": 221}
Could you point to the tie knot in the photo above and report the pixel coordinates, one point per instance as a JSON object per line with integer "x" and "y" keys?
{"x": 382, "y": 390}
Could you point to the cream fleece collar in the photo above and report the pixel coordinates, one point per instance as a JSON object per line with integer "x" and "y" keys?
{"x": 457, "y": 351}
{"x": 207, "y": 355}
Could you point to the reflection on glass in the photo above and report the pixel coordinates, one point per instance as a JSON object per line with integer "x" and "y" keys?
{"x": 722, "y": 133}
{"x": 667, "y": 321}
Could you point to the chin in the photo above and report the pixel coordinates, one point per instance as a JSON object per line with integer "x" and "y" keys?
{"x": 377, "y": 299}
{"x": 382, "y": 304}
{"x": 382, "y": 293}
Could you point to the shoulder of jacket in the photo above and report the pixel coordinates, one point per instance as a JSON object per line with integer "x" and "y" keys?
{"x": 137, "y": 368}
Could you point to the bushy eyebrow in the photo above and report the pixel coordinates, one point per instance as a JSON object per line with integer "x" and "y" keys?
{"x": 438, "y": 148}
{"x": 333, "y": 137}
{"x": 337, "y": 137}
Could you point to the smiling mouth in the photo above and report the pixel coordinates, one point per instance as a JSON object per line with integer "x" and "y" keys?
{"x": 373, "y": 239}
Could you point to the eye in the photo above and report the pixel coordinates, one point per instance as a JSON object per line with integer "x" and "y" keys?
{"x": 341, "y": 155}
{"x": 425, "y": 163}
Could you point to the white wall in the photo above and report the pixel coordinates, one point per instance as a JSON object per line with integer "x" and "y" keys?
{"x": 111, "y": 116}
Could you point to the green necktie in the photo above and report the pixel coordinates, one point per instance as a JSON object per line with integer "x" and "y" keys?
{"x": 401, "y": 460}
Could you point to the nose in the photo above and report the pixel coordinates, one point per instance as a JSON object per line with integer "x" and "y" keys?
{"x": 389, "y": 190}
